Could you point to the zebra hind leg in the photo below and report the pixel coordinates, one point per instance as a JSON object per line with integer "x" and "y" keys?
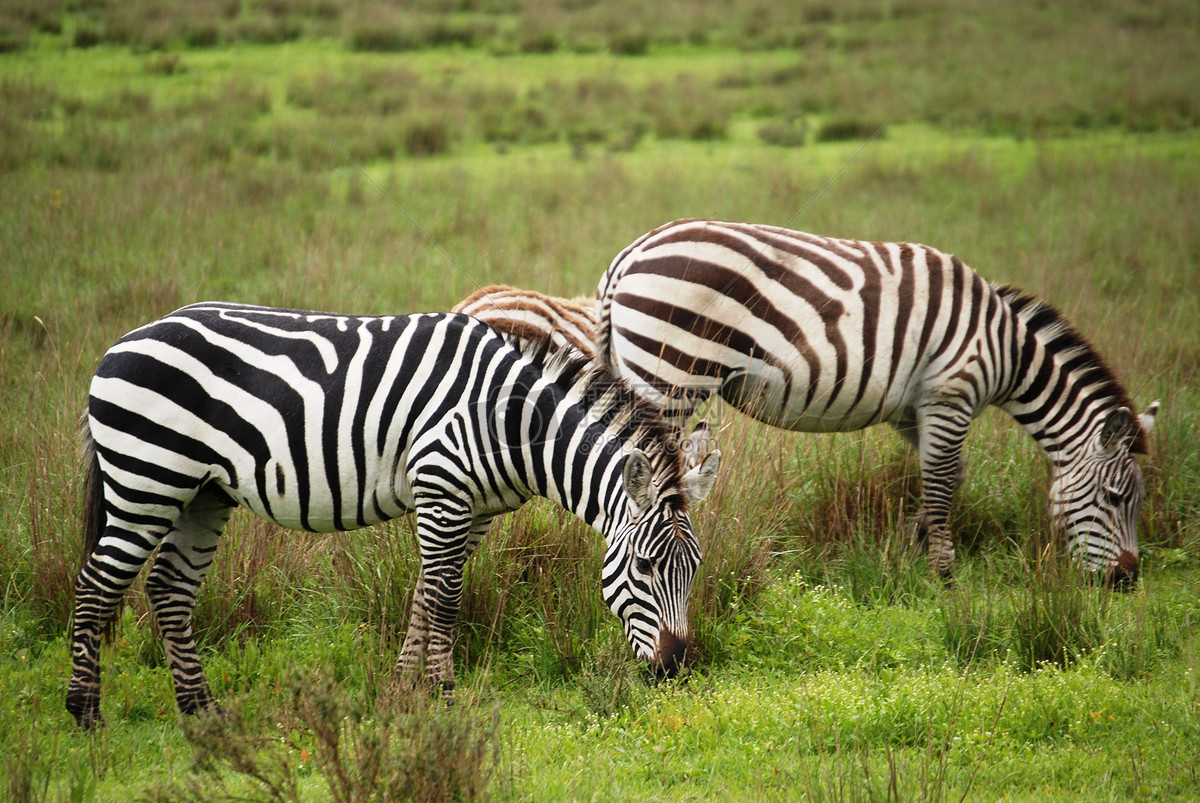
{"x": 183, "y": 561}
{"x": 95, "y": 605}
{"x": 427, "y": 655}
{"x": 101, "y": 585}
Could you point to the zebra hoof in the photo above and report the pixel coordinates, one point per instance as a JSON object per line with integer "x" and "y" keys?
{"x": 201, "y": 704}
{"x": 89, "y": 722}
{"x": 86, "y": 710}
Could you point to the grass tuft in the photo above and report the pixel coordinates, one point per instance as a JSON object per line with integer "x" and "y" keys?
{"x": 1058, "y": 618}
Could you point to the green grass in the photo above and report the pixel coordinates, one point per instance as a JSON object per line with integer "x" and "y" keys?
{"x": 1054, "y": 147}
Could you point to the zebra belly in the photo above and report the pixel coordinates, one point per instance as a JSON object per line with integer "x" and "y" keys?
{"x": 786, "y": 404}
{"x": 322, "y": 515}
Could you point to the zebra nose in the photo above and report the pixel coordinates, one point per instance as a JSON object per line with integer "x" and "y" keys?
{"x": 668, "y": 656}
{"x": 1123, "y": 575}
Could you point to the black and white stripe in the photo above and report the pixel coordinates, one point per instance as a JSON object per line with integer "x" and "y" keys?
{"x": 325, "y": 422}
{"x": 819, "y": 334}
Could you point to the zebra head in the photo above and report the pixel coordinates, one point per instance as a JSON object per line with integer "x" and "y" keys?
{"x": 1095, "y": 499}
{"x": 652, "y": 558}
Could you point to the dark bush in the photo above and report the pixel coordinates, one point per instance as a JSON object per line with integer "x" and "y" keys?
{"x": 383, "y": 39}
{"x": 202, "y": 35}
{"x": 629, "y": 43}
{"x": 848, "y": 128}
{"x": 87, "y": 36}
{"x": 444, "y": 33}
{"x": 538, "y": 41}
{"x": 426, "y": 137}
{"x": 13, "y": 37}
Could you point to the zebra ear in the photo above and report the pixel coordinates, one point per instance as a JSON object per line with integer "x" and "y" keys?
{"x": 697, "y": 446}
{"x": 636, "y": 478}
{"x": 1118, "y": 426}
{"x": 1147, "y": 418}
{"x": 698, "y": 482}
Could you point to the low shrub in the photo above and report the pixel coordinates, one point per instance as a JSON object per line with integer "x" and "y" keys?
{"x": 426, "y": 136}
{"x": 13, "y": 37}
{"x": 383, "y": 38}
{"x": 406, "y": 747}
{"x": 86, "y": 36}
{"x": 629, "y": 43}
{"x": 840, "y": 129}
{"x": 538, "y": 40}
{"x": 166, "y": 64}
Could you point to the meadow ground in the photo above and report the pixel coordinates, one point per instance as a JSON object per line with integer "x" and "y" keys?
{"x": 367, "y": 159}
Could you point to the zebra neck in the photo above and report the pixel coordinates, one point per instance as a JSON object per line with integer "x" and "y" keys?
{"x": 581, "y": 471}
{"x": 1060, "y": 388}
{"x": 1055, "y": 399}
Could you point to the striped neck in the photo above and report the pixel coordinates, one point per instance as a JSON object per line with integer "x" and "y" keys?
{"x": 1061, "y": 388}
{"x": 583, "y": 424}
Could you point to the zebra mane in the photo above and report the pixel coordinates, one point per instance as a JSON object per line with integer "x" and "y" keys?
{"x": 1059, "y": 336}
{"x": 610, "y": 400}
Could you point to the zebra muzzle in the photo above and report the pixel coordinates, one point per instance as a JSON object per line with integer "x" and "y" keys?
{"x": 669, "y": 654}
{"x": 1123, "y": 575}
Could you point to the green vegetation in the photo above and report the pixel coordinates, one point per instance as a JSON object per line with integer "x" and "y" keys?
{"x": 374, "y": 158}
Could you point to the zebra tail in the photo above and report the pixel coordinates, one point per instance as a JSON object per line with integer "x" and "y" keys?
{"x": 603, "y": 337}
{"x": 94, "y": 518}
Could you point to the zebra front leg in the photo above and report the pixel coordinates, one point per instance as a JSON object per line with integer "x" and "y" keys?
{"x": 428, "y": 645}
{"x": 411, "y": 665}
{"x": 942, "y": 428}
{"x": 183, "y": 561}
{"x": 447, "y": 536}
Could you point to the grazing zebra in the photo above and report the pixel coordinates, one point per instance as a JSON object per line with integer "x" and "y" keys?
{"x": 333, "y": 422}
{"x": 820, "y": 334}
{"x": 524, "y": 315}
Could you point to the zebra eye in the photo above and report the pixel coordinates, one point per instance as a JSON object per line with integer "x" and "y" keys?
{"x": 643, "y": 565}
{"x": 1113, "y": 496}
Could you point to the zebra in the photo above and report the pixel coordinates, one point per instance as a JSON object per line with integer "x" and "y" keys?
{"x": 523, "y": 315}
{"x": 322, "y": 422}
{"x": 819, "y": 334}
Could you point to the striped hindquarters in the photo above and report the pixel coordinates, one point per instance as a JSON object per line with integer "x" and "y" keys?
{"x": 526, "y": 316}
{"x": 815, "y": 333}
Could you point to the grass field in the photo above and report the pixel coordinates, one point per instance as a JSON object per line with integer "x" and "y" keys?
{"x": 369, "y": 158}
